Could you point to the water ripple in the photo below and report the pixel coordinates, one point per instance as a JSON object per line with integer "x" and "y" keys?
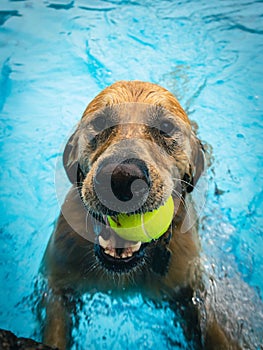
{"x": 62, "y": 6}
{"x": 5, "y": 15}
{"x": 98, "y": 70}
{"x": 141, "y": 41}
{"x": 99, "y": 9}
{"x": 5, "y": 82}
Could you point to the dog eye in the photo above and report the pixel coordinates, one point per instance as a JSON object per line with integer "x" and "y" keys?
{"x": 99, "y": 124}
{"x": 167, "y": 128}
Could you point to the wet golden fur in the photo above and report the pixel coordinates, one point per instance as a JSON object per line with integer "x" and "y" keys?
{"x": 136, "y": 91}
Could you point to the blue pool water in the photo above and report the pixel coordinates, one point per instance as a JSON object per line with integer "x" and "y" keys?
{"x": 56, "y": 55}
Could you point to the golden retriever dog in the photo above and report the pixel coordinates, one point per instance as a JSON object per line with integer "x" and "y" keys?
{"x": 132, "y": 149}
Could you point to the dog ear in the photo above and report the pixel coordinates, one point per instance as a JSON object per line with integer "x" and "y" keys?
{"x": 196, "y": 165}
{"x": 70, "y": 157}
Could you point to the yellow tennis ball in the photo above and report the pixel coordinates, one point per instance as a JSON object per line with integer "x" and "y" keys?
{"x": 144, "y": 227}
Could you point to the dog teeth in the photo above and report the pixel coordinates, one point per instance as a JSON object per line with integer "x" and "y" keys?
{"x": 110, "y": 252}
{"x": 127, "y": 252}
{"x": 136, "y": 247}
{"x": 124, "y": 255}
{"x": 103, "y": 242}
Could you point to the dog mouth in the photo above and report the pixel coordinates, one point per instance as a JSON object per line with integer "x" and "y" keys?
{"x": 119, "y": 253}
{"x": 115, "y": 253}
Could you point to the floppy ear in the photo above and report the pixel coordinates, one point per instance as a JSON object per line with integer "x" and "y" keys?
{"x": 197, "y": 163}
{"x": 70, "y": 157}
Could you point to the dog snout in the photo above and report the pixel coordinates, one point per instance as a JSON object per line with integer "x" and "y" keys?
{"x": 127, "y": 179}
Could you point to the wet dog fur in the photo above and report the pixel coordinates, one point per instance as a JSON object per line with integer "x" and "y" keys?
{"x": 134, "y": 120}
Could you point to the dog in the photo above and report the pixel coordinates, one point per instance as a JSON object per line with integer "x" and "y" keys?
{"x": 137, "y": 133}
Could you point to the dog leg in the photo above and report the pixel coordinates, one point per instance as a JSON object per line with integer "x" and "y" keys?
{"x": 58, "y": 323}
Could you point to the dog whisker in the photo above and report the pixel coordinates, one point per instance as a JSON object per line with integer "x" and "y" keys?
{"x": 187, "y": 183}
{"x": 183, "y": 201}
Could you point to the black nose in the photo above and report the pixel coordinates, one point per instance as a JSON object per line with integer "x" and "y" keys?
{"x": 123, "y": 178}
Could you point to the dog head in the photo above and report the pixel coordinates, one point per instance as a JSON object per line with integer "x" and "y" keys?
{"x": 133, "y": 148}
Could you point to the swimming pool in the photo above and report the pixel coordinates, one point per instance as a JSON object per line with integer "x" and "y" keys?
{"x": 56, "y": 55}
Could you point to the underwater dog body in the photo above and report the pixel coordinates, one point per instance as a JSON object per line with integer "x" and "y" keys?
{"x": 132, "y": 150}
